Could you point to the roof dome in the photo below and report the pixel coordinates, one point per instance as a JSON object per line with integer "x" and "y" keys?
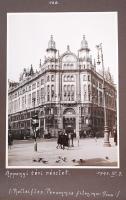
{"x": 51, "y": 43}
{"x": 84, "y": 43}
{"x": 68, "y": 56}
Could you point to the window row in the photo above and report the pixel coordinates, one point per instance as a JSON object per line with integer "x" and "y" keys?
{"x": 69, "y": 78}
{"x": 84, "y": 66}
{"x": 68, "y": 64}
{"x": 86, "y": 78}
{"x": 52, "y": 66}
{"x": 69, "y": 96}
{"x": 50, "y": 78}
{"x": 69, "y": 88}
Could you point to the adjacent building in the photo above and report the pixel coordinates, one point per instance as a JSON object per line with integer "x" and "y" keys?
{"x": 66, "y": 93}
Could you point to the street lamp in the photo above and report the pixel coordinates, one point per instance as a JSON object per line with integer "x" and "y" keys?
{"x": 106, "y": 131}
{"x": 25, "y": 134}
{"x": 34, "y": 125}
{"x": 92, "y": 114}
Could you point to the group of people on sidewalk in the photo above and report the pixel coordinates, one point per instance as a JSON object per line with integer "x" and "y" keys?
{"x": 65, "y": 140}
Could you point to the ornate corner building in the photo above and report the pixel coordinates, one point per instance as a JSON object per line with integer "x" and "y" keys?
{"x": 66, "y": 92}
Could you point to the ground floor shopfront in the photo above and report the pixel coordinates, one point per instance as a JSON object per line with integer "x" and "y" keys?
{"x": 83, "y": 120}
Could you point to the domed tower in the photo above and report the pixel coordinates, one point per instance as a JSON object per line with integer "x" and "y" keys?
{"x": 84, "y": 56}
{"x": 51, "y": 50}
{"x": 84, "y": 50}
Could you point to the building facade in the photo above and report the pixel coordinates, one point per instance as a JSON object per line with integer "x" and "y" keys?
{"x": 66, "y": 93}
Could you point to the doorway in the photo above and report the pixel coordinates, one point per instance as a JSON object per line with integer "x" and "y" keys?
{"x": 69, "y": 120}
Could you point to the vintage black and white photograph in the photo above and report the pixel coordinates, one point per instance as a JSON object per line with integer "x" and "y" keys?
{"x": 62, "y": 90}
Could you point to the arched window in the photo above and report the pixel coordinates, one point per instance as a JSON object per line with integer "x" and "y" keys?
{"x": 64, "y": 78}
{"x": 68, "y": 78}
{"x": 69, "y": 111}
{"x": 72, "y": 78}
{"x": 68, "y": 87}
{"x": 65, "y": 88}
{"x": 52, "y": 78}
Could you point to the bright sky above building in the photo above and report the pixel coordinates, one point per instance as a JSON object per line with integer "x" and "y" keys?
{"x": 28, "y": 35}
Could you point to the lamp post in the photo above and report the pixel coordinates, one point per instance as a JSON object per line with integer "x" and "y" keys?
{"x": 34, "y": 125}
{"x": 106, "y": 131}
{"x": 25, "y": 134}
{"x": 92, "y": 115}
{"x": 54, "y": 120}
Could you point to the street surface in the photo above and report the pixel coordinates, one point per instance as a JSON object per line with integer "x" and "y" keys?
{"x": 90, "y": 152}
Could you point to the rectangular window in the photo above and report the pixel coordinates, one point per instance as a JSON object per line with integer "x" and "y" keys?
{"x": 52, "y": 91}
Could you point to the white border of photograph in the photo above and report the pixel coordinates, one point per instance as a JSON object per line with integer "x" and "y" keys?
{"x": 43, "y": 46}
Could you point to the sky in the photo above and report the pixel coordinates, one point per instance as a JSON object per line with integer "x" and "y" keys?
{"x": 28, "y": 35}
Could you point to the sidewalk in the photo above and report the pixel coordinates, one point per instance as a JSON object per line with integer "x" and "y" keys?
{"x": 90, "y": 152}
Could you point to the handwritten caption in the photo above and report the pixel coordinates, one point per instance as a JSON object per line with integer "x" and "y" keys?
{"x": 50, "y": 192}
{"x": 24, "y": 174}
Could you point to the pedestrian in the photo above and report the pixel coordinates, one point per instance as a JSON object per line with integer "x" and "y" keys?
{"x": 59, "y": 141}
{"x": 72, "y": 137}
{"x": 115, "y": 136}
{"x": 10, "y": 140}
{"x": 69, "y": 137}
{"x": 65, "y": 141}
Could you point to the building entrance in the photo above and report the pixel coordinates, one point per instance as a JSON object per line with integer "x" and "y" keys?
{"x": 69, "y": 120}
